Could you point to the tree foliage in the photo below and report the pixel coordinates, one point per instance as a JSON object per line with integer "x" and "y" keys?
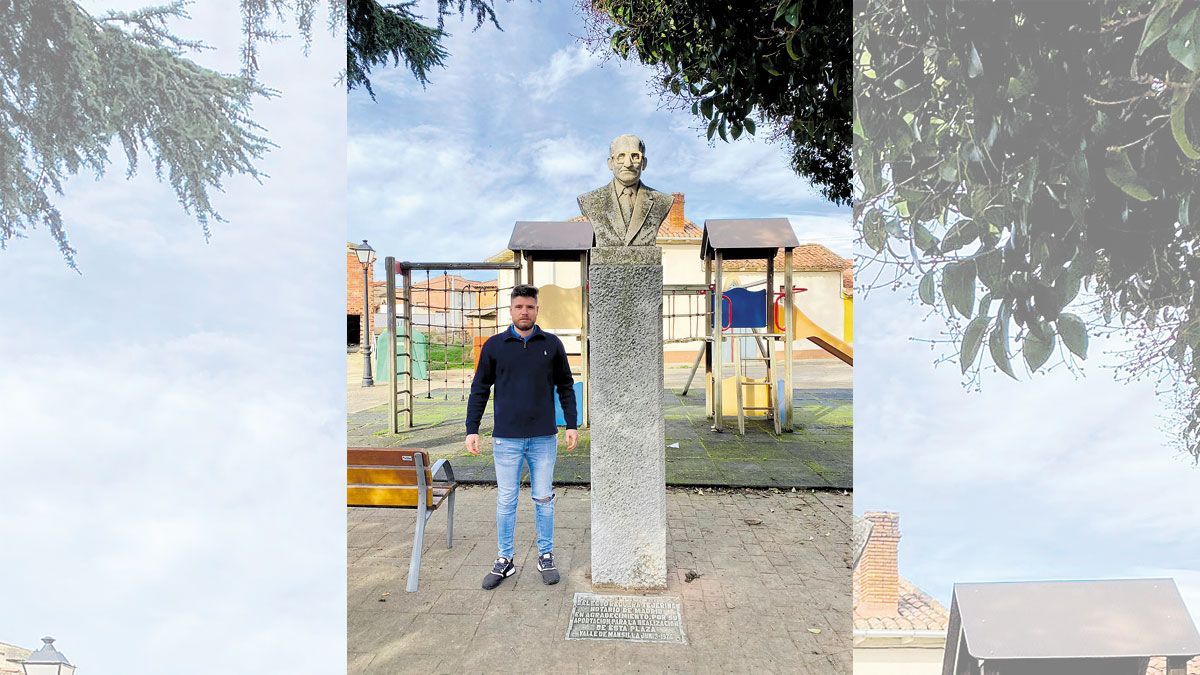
{"x": 1033, "y": 168}
{"x": 378, "y": 35}
{"x": 74, "y": 86}
{"x": 783, "y": 62}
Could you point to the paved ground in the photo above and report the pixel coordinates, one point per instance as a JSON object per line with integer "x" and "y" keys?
{"x": 818, "y": 454}
{"x": 771, "y": 597}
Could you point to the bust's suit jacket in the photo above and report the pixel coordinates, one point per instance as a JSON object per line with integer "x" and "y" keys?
{"x": 601, "y": 207}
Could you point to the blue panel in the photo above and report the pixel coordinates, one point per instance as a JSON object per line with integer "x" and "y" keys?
{"x": 749, "y": 308}
{"x": 558, "y": 412}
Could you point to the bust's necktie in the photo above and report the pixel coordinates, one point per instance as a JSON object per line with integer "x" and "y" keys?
{"x": 626, "y": 199}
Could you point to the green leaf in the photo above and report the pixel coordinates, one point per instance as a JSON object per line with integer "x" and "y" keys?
{"x": 948, "y": 171}
{"x": 972, "y": 341}
{"x": 974, "y": 63}
{"x": 1157, "y": 24}
{"x": 923, "y": 238}
{"x": 1020, "y": 87}
{"x": 788, "y": 45}
{"x": 793, "y": 15}
{"x": 712, "y": 129}
{"x": 925, "y": 289}
{"x": 706, "y": 107}
{"x": 1037, "y": 349}
{"x": 998, "y": 346}
{"x": 736, "y": 128}
{"x": 750, "y": 126}
{"x": 1074, "y": 334}
{"x": 1182, "y": 42}
{"x": 873, "y": 232}
{"x": 1184, "y": 221}
{"x": 1120, "y": 173}
{"x": 958, "y": 287}
{"x": 1179, "y": 127}
{"x": 962, "y": 233}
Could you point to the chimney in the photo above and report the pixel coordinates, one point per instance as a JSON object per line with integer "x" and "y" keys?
{"x": 877, "y": 576}
{"x": 675, "y": 222}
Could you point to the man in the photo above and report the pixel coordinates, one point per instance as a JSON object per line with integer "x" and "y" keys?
{"x": 626, "y": 212}
{"x": 526, "y": 365}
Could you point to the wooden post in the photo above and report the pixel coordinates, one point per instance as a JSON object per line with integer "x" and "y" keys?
{"x": 708, "y": 344}
{"x": 789, "y": 329}
{"x": 718, "y": 356}
{"x": 389, "y": 264}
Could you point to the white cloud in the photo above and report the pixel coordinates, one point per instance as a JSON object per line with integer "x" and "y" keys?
{"x": 566, "y": 64}
{"x": 565, "y": 157}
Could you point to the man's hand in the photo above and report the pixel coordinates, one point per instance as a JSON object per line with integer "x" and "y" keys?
{"x": 473, "y": 444}
{"x": 572, "y": 439}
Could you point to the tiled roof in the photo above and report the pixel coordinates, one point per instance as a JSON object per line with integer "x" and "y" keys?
{"x": 917, "y": 611}
{"x": 1158, "y": 666}
{"x": 805, "y": 258}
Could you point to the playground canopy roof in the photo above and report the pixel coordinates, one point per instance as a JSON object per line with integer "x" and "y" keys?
{"x": 1070, "y": 620}
{"x": 747, "y": 238}
{"x": 551, "y": 240}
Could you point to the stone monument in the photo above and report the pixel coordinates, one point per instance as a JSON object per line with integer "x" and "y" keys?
{"x": 629, "y": 505}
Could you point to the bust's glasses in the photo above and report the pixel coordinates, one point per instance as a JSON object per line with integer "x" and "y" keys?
{"x": 635, "y": 157}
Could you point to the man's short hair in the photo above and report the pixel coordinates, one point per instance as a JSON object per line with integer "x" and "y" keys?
{"x": 641, "y": 145}
{"x": 524, "y": 291}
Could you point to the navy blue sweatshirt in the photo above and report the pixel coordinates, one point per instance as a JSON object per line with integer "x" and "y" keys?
{"x": 525, "y": 373}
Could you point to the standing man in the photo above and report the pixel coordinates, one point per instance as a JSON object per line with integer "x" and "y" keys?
{"x": 526, "y": 365}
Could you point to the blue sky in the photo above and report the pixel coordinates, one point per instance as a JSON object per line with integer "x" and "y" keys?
{"x": 172, "y": 485}
{"x": 1053, "y": 477}
{"x": 518, "y": 125}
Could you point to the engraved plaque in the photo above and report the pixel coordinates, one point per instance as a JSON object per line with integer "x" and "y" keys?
{"x": 635, "y": 618}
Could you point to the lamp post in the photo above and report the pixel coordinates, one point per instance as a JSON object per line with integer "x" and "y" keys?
{"x": 47, "y": 661}
{"x": 366, "y": 256}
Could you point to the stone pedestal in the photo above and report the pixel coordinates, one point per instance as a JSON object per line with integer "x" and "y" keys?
{"x": 629, "y": 502}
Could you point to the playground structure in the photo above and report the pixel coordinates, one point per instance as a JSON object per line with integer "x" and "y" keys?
{"x": 425, "y": 315}
{"x": 759, "y": 238}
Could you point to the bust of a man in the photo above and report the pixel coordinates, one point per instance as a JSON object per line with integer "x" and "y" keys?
{"x": 625, "y": 212}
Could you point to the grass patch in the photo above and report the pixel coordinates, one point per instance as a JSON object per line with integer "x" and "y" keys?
{"x": 452, "y": 357}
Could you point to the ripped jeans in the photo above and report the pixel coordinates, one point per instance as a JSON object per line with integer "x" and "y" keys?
{"x": 539, "y": 453}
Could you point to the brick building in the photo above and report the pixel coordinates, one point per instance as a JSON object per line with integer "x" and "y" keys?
{"x": 898, "y": 628}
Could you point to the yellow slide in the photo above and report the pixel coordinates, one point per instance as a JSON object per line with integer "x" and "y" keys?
{"x": 807, "y": 329}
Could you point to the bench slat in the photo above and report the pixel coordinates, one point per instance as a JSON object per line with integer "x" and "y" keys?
{"x": 383, "y": 456}
{"x": 382, "y": 475}
{"x": 394, "y": 495}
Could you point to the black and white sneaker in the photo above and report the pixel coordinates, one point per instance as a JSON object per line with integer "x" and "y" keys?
{"x": 547, "y": 568}
{"x": 503, "y": 568}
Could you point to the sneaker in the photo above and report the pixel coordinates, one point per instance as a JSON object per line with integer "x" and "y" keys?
{"x": 503, "y": 568}
{"x": 547, "y": 568}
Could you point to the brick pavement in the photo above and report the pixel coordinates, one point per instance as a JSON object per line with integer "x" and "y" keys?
{"x": 772, "y": 597}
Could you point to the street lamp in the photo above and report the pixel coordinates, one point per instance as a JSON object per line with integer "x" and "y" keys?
{"x": 47, "y": 661}
{"x": 366, "y": 256}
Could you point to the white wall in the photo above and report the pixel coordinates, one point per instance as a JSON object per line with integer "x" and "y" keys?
{"x": 897, "y": 661}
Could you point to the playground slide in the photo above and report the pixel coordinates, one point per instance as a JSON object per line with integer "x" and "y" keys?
{"x": 807, "y": 329}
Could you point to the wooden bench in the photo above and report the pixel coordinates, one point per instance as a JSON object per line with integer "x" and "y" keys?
{"x": 402, "y": 478}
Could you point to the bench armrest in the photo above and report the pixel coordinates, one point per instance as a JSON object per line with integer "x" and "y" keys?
{"x": 439, "y": 466}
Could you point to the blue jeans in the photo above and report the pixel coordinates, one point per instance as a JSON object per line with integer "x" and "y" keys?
{"x": 539, "y": 453}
